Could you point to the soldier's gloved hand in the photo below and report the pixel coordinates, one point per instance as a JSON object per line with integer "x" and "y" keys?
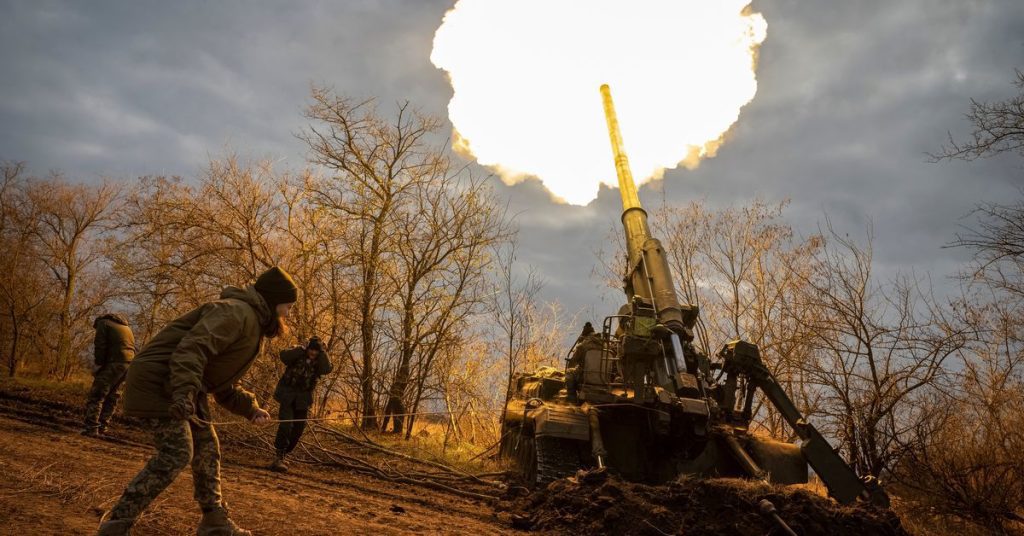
{"x": 259, "y": 416}
{"x": 182, "y": 407}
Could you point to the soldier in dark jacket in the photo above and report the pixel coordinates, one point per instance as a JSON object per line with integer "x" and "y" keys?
{"x": 205, "y": 352}
{"x": 587, "y": 340}
{"x": 114, "y": 350}
{"x": 304, "y": 366}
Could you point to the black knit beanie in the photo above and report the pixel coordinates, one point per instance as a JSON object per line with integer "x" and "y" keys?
{"x": 277, "y": 287}
{"x": 314, "y": 344}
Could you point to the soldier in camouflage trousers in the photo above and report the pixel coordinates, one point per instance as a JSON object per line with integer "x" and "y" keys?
{"x": 178, "y": 443}
{"x": 114, "y": 350}
{"x": 200, "y": 354}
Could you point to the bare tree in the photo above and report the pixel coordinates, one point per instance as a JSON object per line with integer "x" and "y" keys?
{"x": 317, "y": 254}
{"x": 71, "y": 220}
{"x": 150, "y": 258}
{"x": 997, "y": 241}
{"x": 998, "y": 128}
{"x": 513, "y": 302}
{"x": 443, "y": 253}
{"x": 465, "y": 380}
{"x": 376, "y": 164}
{"x": 878, "y": 348}
{"x": 238, "y": 210}
{"x": 180, "y": 245}
{"x": 967, "y": 452}
{"x": 23, "y": 289}
{"x": 965, "y": 457}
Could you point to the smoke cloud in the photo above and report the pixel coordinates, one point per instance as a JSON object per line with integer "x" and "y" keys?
{"x": 526, "y": 73}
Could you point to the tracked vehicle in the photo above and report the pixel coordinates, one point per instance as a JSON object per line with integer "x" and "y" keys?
{"x": 639, "y": 400}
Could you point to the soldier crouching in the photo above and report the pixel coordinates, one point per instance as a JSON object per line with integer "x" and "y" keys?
{"x": 205, "y": 352}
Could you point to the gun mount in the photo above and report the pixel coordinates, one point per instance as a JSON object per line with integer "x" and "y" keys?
{"x": 640, "y": 399}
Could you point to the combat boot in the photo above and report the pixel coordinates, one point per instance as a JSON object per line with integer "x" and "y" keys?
{"x": 217, "y": 523}
{"x": 116, "y": 527}
{"x": 279, "y": 464}
{"x": 90, "y": 432}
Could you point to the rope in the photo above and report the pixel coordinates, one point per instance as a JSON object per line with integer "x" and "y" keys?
{"x": 340, "y": 417}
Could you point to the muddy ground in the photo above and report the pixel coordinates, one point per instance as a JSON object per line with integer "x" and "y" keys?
{"x": 54, "y": 481}
{"x": 597, "y": 504}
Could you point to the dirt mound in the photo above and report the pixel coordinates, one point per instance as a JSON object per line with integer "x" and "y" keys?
{"x": 597, "y": 504}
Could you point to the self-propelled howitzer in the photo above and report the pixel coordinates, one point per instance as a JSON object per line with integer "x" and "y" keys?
{"x": 648, "y": 283}
{"x": 637, "y": 397}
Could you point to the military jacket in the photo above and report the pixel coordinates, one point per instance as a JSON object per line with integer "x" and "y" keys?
{"x": 300, "y": 376}
{"x": 114, "y": 341}
{"x": 206, "y": 350}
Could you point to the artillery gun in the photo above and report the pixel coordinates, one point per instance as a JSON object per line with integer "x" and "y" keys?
{"x": 643, "y": 402}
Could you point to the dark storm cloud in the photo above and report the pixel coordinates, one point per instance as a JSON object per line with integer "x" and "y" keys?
{"x": 851, "y": 95}
{"x": 152, "y": 87}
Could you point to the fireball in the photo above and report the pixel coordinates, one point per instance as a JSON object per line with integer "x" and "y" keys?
{"x": 525, "y": 76}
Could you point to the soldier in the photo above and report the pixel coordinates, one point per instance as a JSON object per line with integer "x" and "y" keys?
{"x": 304, "y": 366}
{"x": 587, "y": 340}
{"x": 205, "y": 352}
{"x": 114, "y": 349}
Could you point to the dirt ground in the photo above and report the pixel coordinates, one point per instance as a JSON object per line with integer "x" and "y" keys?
{"x": 595, "y": 503}
{"x": 54, "y": 481}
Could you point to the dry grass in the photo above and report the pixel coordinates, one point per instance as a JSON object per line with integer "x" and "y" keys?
{"x": 921, "y": 516}
{"x": 428, "y": 442}
{"x": 814, "y": 486}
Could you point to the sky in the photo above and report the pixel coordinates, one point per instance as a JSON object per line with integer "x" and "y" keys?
{"x": 851, "y": 96}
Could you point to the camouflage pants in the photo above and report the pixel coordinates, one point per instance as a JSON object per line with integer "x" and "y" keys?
{"x": 177, "y": 443}
{"x": 104, "y": 394}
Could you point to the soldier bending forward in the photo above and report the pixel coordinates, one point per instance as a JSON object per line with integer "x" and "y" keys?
{"x": 115, "y": 348}
{"x": 205, "y": 352}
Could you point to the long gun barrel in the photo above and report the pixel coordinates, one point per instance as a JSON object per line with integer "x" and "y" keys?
{"x": 648, "y": 275}
{"x": 634, "y": 217}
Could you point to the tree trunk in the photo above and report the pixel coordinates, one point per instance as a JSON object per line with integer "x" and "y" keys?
{"x": 367, "y": 320}
{"x": 369, "y": 421}
{"x": 396, "y": 411}
{"x": 395, "y": 407}
{"x": 367, "y": 377}
{"x": 64, "y": 340}
{"x": 415, "y": 408}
